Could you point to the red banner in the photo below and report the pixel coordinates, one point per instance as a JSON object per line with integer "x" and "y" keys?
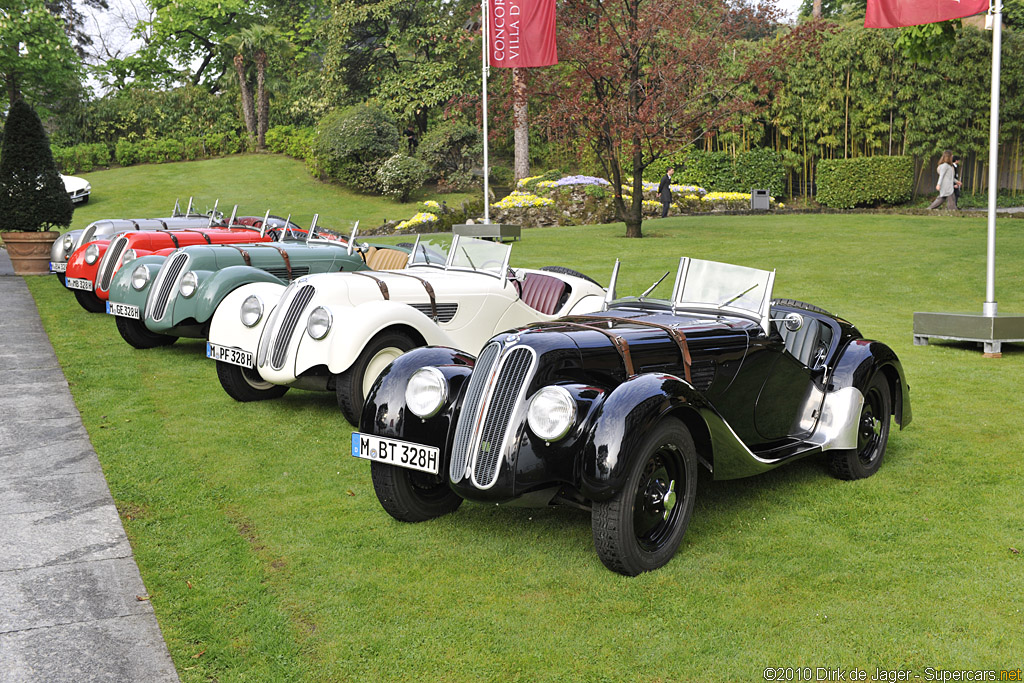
{"x": 896, "y": 13}
{"x": 522, "y": 33}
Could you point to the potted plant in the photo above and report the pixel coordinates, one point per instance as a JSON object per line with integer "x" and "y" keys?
{"x": 33, "y": 200}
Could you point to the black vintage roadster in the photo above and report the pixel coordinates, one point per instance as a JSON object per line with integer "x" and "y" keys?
{"x": 615, "y": 411}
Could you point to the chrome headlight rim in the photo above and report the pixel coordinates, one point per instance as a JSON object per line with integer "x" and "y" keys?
{"x": 427, "y": 377}
{"x": 189, "y": 284}
{"x": 319, "y": 323}
{"x": 92, "y": 254}
{"x": 251, "y": 308}
{"x": 68, "y": 242}
{"x": 140, "y": 277}
{"x": 128, "y": 256}
{"x": 551, "y": 413}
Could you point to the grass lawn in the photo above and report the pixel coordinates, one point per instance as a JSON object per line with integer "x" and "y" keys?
{"x": 256, "y": 182}
{"x": 268, "y": 558}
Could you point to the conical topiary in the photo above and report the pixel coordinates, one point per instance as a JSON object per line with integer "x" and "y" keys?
{"x": 32, "y": 194}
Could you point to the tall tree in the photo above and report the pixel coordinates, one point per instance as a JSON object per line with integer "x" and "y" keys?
{"x": 36, "y": 58}
{"x": 643, "y": 78}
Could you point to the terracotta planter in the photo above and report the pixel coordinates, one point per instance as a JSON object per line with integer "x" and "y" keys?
{"x": 29, "y": 251}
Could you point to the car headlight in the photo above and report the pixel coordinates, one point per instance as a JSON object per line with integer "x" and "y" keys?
{"x": 92, "y": 253}
{"x": 252, "y": 310}
{"x": 140, "y": 277}
{"x": 426, "y": 392}
{"x": 319, "y": 323}
{"x": 128, "y": 257}
{"x": 189, "y": 284}
{"x": 69, "y": 242}
{"x": 88, "y": 187}
{"x": 552, "y": 413}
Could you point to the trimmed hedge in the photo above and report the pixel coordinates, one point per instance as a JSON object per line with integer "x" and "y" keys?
{"x": 864, "y": 181}
{"x": 759, "y": 168}
{"x": 81, "y": 158}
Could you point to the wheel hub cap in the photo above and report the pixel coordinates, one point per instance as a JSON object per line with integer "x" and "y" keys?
{"x": 661, "y": 497}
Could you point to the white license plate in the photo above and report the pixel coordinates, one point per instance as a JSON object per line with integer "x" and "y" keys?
{"x": 230, "y": 355}
{"x": 56, "y": 267}
{"x": 123, "y": 310}
{"x": 413, "y": 456}
{"x": 78, "y": 283}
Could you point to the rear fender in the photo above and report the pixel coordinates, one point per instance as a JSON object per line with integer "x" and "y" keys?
{"x": 860, "y": 361}
{"x": 353, "y": 327}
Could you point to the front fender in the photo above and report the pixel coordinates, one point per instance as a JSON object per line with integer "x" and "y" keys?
{"x": 121, "y": 290}
{"x": 385, "y": 412}
{"x": 354, "y": 326}
{"x": 226, "y": 328}
{"x": 213, "y": 288}
{"x": 863, "y": 359}
{"x": 625, "y": 417}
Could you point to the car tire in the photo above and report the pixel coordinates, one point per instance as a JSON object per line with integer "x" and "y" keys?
{"x": 138, "y": 335}
{"x": 412, "y": 496}
{"x": 352, "y": 385}
{"x": 872, "y": 434}
{"x": 634, "y": 531}
{"x": 245, "y": 384}
{"x": 802, "y": 305}
{"x": 63, "y": 279}
{"x": 569, "y": 271}
{"x": 90, "y": 302}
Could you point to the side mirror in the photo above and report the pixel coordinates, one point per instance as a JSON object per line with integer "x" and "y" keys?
{"x": 792, "y": 321}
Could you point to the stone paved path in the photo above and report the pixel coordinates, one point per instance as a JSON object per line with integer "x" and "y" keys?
{"x": 68, "y": 580}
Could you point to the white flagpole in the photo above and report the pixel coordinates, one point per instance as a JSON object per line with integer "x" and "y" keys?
{"x": 990, "y": 307}
{"x": 486, "y": 72}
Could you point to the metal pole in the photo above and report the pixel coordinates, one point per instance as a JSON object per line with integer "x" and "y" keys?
{"x": 990, "y": 307}
{"x": 486, "y": 72}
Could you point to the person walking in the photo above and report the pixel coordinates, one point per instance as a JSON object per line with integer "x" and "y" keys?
{"x": 946, "y": 183}
{"x": 958, "y": 181}
{"x": 665, "y": 191}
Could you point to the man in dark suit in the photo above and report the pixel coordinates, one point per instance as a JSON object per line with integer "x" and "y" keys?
{"x": 665, "y": 192}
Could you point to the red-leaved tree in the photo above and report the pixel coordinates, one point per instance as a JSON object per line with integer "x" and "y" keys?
{"x": 642, "y": 78}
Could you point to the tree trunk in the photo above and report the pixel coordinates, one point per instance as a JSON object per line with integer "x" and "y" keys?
{"x": 816, "y": 9}
{"x": 521, "y": 124}
{"x": 247, "y": 106}
{"x": 263, "y": 97}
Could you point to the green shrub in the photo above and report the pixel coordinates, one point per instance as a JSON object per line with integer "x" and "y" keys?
{"x": 81, "y": 158}
{"x": 159, "y": 151}
{"x": 352, "y": 143}
{"x": 657, "y": 169}
{"x": 531, "y": 184}
{"x": 32, "y": 196}
{"x": 864, "y": 181}
{"x": 126, "y": 153}
{"x": 400, "y": 176}
{"x": 502, "y": 175}
{"x": 295, "y": 141}
{"x": 760, "y": 168}
{"x": 710, "y": 170}
{"x": 193, "y": 148}
{"x": 450, "y": 147}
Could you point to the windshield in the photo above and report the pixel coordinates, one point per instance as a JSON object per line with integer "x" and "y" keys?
{"x": 723, "y": 286}
{"x": 461, "y": 253}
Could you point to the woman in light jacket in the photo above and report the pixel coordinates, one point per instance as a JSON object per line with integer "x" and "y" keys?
{"x": 945, "y": 185}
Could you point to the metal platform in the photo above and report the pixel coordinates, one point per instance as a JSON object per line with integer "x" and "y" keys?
{"x": 489, "y": 231}
{"x": 989, "y": 331}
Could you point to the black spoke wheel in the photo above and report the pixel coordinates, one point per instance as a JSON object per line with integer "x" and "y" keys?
{"x": 640, "y": 528}
{"x": 872, "y": 434}
{"x": 353, "y": 385}
{"x": 412, "y": 496}
{"x": 245, "y": 384}
{"x": 90, "y": 301}
{"x": 138, "y": 335}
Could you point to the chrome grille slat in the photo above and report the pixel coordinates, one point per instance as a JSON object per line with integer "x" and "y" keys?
{"x": 445, "y": 312}
{"x": 109, "y": 263}
{"x": 470, "y": 410}
{"x": 166, "y": 285}
{"x": 282, "y": 273}
{"x": 512, "y": 376}
{"x": 283, "y": 334}
{"x": 86, "y": 236}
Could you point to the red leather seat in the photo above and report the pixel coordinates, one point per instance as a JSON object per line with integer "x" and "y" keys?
{"x": 542, "y": 292}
